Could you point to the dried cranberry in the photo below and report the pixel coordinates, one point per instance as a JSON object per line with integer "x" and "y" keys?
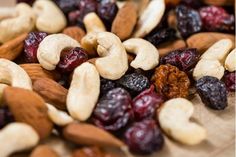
{"x": 146, "y": 103}
{"x": 106, "y": 85}
{"x": 67, "y": 5}
{"x": 107, "y": 10}
{"x": 31, "y": 46}
{"x": 72, "y": 59}
{"x": 217, "y": 19}
{"x": 73, "y": 17}
{"x": 212, "y": 92}
{"x": 161, "y": 35}
{"x": 144, "y": 137}
{"x": 192, "y": 3}
{"x": 229, "y": 79}
{"x": 5, "y": 117}
{"x": 184, "y": 59}
{"x": 189, "y": 21}
{"x": 113, "y": 110}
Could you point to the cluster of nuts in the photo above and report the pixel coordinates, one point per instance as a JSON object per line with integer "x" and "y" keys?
{"x": 105, "y": 74}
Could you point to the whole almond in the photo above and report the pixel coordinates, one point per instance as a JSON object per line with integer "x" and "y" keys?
{"x": 52, "y": 92}
{"x": 28, "y": 107}
{"x": 220, "y": 2}
{"x": 35, "y": 71}
{"x": 43, "y": 151}
{"x": 13, "y": 48}
{"x": 167, "y": 47}
{"x": 88, "y": 152}
{"x": 202, "y": 41}
{"x": 74, "y": 32}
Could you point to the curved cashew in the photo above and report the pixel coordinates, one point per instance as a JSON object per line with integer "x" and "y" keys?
{"x": 219, "y": 50}
{"x": 50, "y": 17}
{"x": 147, "y": 55}
{"x": 150, "y": 18}
{"x": 14, "y": 75}
{"x": 58, "y": 117}
{"x": 7, "y": 12}
{"x": 230, "y": 62}
{"x": 50, "y": 49}
{"x": 23, "y": 23}
{"x": 16, "y": 137}
{"x": 93, "y": 23}
{"x": 174, "y": 120}
{"x": 83, "y": 92}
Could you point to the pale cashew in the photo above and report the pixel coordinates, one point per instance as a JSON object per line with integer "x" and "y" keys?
{"x": 93, "y": 23}
{"x": 14, "y": 75}
{"x": 230, "y": 62}
{"x": 174, "y": 120}
{"x": 50, "y": 49}
{"x": 147, "y": 55}
{"x": 89, "y": 43}
{"x": 17, "y": 137}
{"x": 23, "y": 23}
{"x": 83, "y": 92}
{"x": 206, "y": 67}
{"x": 218, "y": 51}
{"x": 50, "y": 17}
{"x": 7, "y": 12}
{"x": 58, "y": 117}
{"x": 150, "y": 18}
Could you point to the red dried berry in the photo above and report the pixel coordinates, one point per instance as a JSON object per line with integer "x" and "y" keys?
{"x": 229, "y": 79}
{"x": 217, "y": 19}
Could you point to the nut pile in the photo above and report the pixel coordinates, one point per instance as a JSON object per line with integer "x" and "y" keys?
{"x": 109, "y": 73}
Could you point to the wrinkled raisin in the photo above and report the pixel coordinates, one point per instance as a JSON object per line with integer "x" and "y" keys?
{"x": 171, "y": 82}
{"x": 229, "y": 79}
{"x": 184, "y": 59}
{"x": 145, "y": 104}
{"x": 192, "y": 3}
{"x": 144, "y": 137}
{"x": 188, "y": 21}
{"x": 212, "y": 92}
{"x": 217, "y": 19}
{"x": 106, "y": 85}
{"x": 113, "y": 110}
{"x": 5, "y": 117}
{"x": 67, "y": 5}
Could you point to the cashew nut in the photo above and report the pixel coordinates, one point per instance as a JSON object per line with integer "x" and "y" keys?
{"x": 83, "y": 92}
{"x": 23, "y": 23}
{"x": 50, "y": 49}
{"x": 89, "y": 43}
{"x": 218, "y": 51}
{"x": 147, "y": 55}
{"x": 50, "y": 17}
{"x": 58, "y": 117}
{"x": 174, "y": 120}
{"x": 230, "y": 62}
{"x": 7, "y": 12}
{"x": 14, "y": 75}
{"x": 16, "y": 137}
{"x": 93, "y": 23}
{"x": 150, "y": 18}
{"x": 206, "y": 67}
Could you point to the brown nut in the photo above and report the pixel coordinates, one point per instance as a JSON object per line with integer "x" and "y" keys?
{"x": 74, "y": 32}
{"x": 125, "y": 21}
{"x": 220, "y": 2}
{"x": 91, "y": 151}
{"x": 167, "y": 47}
{"x": 43, "y": 151}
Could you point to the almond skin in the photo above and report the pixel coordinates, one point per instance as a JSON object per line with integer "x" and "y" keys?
{"x": 219, "y": 2}
{"x": 28, "y": 107}
{"x": 52, "y": 92}
{"x": 43, "y": 151}
{"x": 74, "y": 32}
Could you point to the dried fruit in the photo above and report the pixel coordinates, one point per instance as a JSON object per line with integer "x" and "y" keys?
{"x": 189, "y": 21}
{"x": 192, "y": 3}
{"x": 72, "y": 59}
{"x": 217, "y": 19}
{"x": 171, "y": 82}
{"x": 229, "y": 79}
{"x": 5, "y": 117}
{"x": 106, "y": 85}
{"x": 145, "y": 104}
{"x": 68, "y": 5}
{"x": 134, "y": 83}
{"x": 113, "y": 110}
{"x": 144, "y": 137}
{"x": 30, "y": 2}
{"x": 212, "y": 92}
{"x": 31, "y": 46}
{"x": 184, "y": 59}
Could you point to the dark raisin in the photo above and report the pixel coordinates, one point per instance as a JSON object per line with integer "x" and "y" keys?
{"x": 113, "y": 110}
{"x": 229, "y": 79}
{"x": 212, "y": 92}
{"x": 134, "y": 83}
{"x": 145, "y": 104}
{"x": 72, "y": 59}
{"x": 67, "y": 5}
{"x": 184, "y": 59}
{"x": 144, "y": 137}
{"x": 188, "y": 21}
{"x": 31, "y": 44}
{"x": 5, "y": 117}
{"x": 106, "y": 85}
{"x": 217, "y": 19}
{"x": 192, "y": 3}
{"x": 161, "y": 35}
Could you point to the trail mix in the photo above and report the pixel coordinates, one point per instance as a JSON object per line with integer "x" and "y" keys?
{"x": 107, "y": 73}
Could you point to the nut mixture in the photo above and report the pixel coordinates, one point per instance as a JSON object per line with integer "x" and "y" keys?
{"x": 111, "y": 73}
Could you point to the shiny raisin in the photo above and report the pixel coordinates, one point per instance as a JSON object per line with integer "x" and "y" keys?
{"x": 212, "y": 92}
{"x": 192, "y": 3}
{"x": 229, "y": 79}
{"x": 106, "y": 85}
{"x": 5, "y": 117}
{"x": 67, "y": 5}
